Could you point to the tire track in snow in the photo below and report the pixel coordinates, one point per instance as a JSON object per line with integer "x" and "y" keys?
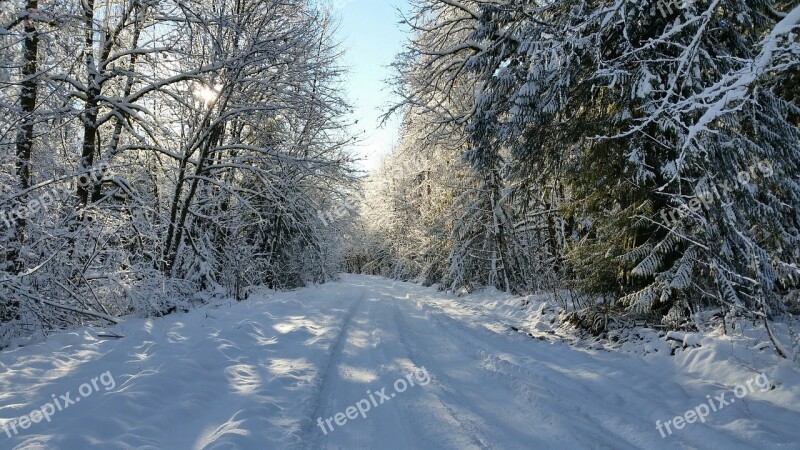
{"x": 536, "y": 402}
{"x": 553, "y": 396}
{"x": 394, "y": 418}
{"x": 544, "y": 402}
{"x": 467, "y": 425}
{"x": 325, "y": 391}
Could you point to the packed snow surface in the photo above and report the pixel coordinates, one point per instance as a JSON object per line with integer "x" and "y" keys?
{"x": 369, "y": 363}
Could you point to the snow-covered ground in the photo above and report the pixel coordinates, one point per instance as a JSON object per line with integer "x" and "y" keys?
{"x": 372, "y": 363}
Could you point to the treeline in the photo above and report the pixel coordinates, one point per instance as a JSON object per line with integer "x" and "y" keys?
{"x": 152, "y": 149}
{"x": 647, "y": 160}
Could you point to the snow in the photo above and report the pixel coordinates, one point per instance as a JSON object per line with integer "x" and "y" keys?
{"x": 258, "y": 374}
{"x": 735, "y": 88}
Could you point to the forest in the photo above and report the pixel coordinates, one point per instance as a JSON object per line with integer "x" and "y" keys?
{"x": 636, "y": 159}
{"x": 399, "y": 224}
{"x": 156, "y": 149}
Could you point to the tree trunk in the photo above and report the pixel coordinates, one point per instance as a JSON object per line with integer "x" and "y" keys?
{"x": 25, "y": 134}
{"x": 90, "y": 111}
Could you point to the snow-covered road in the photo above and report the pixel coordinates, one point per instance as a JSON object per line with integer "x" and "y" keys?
{"x": 366, "y": 363}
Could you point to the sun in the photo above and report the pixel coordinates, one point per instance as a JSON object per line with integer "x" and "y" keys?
{"x": 207, "y": 95}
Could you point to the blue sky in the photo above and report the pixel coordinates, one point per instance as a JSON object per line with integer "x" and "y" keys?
{"x": 372, "y": 37}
